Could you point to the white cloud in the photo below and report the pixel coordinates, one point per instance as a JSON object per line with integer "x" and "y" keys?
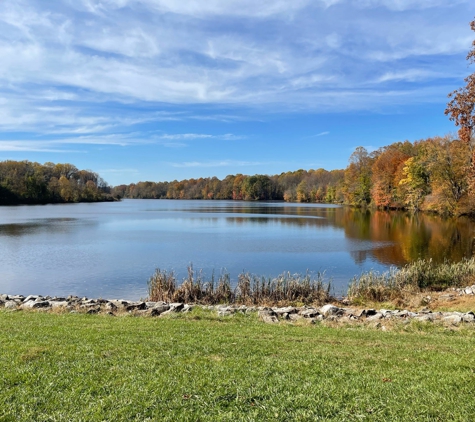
{"x": 62, "y": 69}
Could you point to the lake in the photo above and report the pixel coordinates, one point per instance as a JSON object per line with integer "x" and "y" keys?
{"x": 111, "y": 249}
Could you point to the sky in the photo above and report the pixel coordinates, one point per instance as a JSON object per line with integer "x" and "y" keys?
{"x": 160, "y": 90}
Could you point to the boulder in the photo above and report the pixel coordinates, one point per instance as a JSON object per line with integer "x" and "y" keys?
{"x": 59, "y": 304}
{"x": 328, "y": 310}
{"x": 468, "y": 317}
{"x": 453, "y": 319}
{"x": 135, "y": 306}
{"x": 268, "y": 316}
{"x": 35, "y": 305}
{"x": 286, "y": 310}
{"x": 309, "y": 313}
{"x": 10, "y": 304}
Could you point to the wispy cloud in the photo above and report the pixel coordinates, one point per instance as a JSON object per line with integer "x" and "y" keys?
{"x": 317, "y": 135}
{"x": 222, "y": 163}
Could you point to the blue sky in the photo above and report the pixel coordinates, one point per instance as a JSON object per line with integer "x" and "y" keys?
{"x": 173, "y": 89}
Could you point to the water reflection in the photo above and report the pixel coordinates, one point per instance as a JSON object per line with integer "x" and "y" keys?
{"x": 398, "y": 237}
{"x": 49, "y": 225}
{"x": 111, "y": 249}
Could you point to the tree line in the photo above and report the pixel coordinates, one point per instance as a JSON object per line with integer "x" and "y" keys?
{"x": 25, "y": 182}
{"x": 301, "y": 186}
{"x": 431, "y": 175}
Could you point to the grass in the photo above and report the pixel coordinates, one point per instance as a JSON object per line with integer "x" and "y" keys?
{"x": 421, "y": 275}
{"x": 198, "y": 367}
{"x": 249, "y": 290}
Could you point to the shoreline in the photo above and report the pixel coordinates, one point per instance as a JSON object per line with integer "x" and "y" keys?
{"x": 342, "y": 311}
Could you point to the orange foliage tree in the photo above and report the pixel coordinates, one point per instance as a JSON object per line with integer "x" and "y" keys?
{"x": 461, "y": 108}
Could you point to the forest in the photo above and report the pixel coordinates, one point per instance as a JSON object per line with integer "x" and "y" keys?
{"x": 24, "y": 182}
{"x": 430, "y": 175}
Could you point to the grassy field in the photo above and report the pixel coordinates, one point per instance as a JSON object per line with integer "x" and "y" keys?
{"x": 197, "y": 367}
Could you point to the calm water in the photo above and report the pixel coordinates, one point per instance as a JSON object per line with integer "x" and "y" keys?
{"x": 111, "y": 249}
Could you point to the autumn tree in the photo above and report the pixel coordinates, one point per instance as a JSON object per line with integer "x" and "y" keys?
{"x": 357, "y": 183}
{"x": 461, "y": 107}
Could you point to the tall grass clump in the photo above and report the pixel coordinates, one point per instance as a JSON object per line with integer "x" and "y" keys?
{"x": 249, "y": 290}
{"x": 285, "y": 288}
{"x": 415, "y": 277}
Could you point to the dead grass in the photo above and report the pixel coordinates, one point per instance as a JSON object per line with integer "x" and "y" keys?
{"x": 249, "y": 290}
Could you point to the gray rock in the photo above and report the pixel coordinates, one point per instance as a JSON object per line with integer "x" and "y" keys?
{"x": 10, "y": 304}
{"x": 93, "y": 311}
{"x": 159, "y": 309}
{"x": 468, "y": 317}
{"x": 35, "y": 305}
{"x": 30, "y": 297}
{"x": 452, "y": 319}
{"x": 4, "y": 297}
{"x": 223, "y": 312}
{"x": 268, "y": 316}
{"x": 135, "y": 306}
{"x": 309, "y": 313}
{"x": 176, "y": 307}
{"x": 286, "y": 310}
{"x": 55, "y": 304}
{"x": 377, "y": 316}
{"x": 187, "y": 308}
{"x": 424, "y": 317}
{"x": 109, "y": 306}
{"x": 468, "y": 291}
{"x": 328, "y": 310}
{"x": 89, "y": 305}
{"x": 401, "y": 314}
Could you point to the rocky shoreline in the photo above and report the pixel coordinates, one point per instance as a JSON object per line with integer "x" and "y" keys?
{"x": 328, "y": 312}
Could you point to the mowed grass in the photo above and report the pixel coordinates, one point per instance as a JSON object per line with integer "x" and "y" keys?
{"x": 198, "y": 367}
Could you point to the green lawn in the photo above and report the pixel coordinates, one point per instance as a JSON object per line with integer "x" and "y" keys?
{"x": 196, "y": 367}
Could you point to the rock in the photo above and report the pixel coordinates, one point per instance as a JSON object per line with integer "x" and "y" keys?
{"x": 401, "y": 314}
{"x": 59, "y": 299}
{"x": 35, "y": 305}
{"x": 366, "y": 313}
{"x": 30, "y": 297}
{"x": 309, "y": 313}
{"x": 187, "y": 308}
{"x": 268, "y": 316}
{"x": 468, "y": 291}
{"x": 176, "y": 307}
{"x": 135, "y": 306}
{"x": 225, "y": 312}
{"x": 453, "y": 319}
{"x": 55, "y": 304}
{"x": 425, "y": 317}
{"x": 93, "y": 311}
{"x": 377, "y": 316}
{"x": 328, "y": 310}
{"x": 110, "y": 306}
{"x": 10, "y": 304}
{"x": 4, "y": 297}
{"x": 286, "y": 310}
{"x": 468, "y": 317}
{"x": 89, "y": 305}
{"x": 159, "y": 309}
